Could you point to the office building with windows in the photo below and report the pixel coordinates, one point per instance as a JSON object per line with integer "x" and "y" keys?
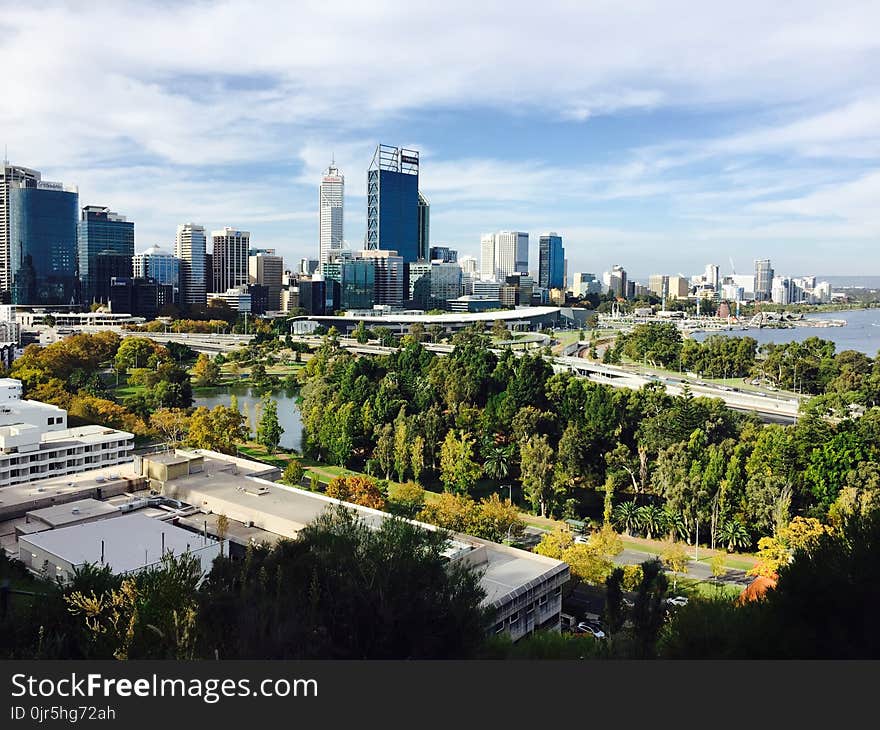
{"x": 763, "y": 280}
{"x": 229, "y": 258}
{"x": 106, "y": 250}
{"x": 190, "y": 249}
{"x": 331, "y": 211}
{"x": 393, "y": 204}
{"x": 424, "y": 227}
{"x": 10, "y": 175}
{"x": 266, "y": 269}
{"x": 43, "y": 242}
{"x": 390, "y": 278}
{"x": 161, "y": 266}
{"x": 551, "y": 262}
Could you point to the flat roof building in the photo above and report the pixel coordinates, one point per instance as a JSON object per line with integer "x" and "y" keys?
{"x": 127, "y": 544}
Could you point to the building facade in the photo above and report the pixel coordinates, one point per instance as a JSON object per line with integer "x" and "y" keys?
{"x": 331, "y": 207}
{"x": 190, "y": 250}
{"x": 43, "y": 242}
{"x": 390, "y": 276}
{"x": 160, "y": 265}
{"x": 551, "y": 262}
{"x": 229, "y": 258}
{"x": 267, "y": 270}
{"x": 763, "y": 280}
{"x": 424, "y": 227}
{"x": 10, "y": 175}
{"x": 393, "y": 202}
{"x": 105, "y": 242}
{"x": 35, "y": 442}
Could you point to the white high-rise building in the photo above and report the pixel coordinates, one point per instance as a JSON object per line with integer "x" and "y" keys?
{"x": 487, "y": 257}
{"x": 331, "y": 203}
{"x": 468, "y": 265}
{"x": 503, "y": 254}
{"x": 712, "y": 276}
{"x": 511, "y": 253}
{"x": 190, "y": 249}
{"x": 229, "y": 258}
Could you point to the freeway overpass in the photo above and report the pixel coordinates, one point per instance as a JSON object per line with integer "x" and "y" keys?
{"x": 768, "y": 407}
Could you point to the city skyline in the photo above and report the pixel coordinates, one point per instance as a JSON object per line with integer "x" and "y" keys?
{"x": 748, "y": 132}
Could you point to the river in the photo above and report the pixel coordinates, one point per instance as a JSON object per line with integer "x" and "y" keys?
{"x": 250, "y": 406}
{"x": 862, "y": 331}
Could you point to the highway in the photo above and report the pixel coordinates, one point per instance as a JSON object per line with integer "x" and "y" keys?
{"x": 768, "y": 407}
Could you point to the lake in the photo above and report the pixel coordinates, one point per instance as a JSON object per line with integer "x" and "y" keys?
{"x": 862, "y": 331}
{"x": 249, "y": 405}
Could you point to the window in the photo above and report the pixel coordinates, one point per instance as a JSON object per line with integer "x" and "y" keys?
{"x": 557, "y": 591}
{"x": 542, "y": 600}
{"x": 514, "y": 618}
{"x": 530, "y": 608}
{"x": 499, "y": 627}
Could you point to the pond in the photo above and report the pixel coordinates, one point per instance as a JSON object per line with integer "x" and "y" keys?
{"x": 251, "y": 408}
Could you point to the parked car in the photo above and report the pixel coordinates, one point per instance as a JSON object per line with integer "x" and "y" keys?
{"x": 581, "y": 538}
{"x": 677, "y": 601}
{"x": 584, "y": 628}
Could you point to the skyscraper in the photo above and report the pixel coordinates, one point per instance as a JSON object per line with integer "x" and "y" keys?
{"x": 393, "y": 202}
{"x": 551, "y": 262}
{"x": 487, "y": 257}
{"x": 331, "y": 202}
{"x": 229, "y": 258}
{"x": 424, "y": 227}
{"x": 190, "y": 249}
{"x": 10, "y": 175}
{"x": 511, "y": 253}
{"x": 42, "y": 242}
{"x": 763, "y": 280}
{"x": 163, "y": 266}
{"x": 105, "y": 248}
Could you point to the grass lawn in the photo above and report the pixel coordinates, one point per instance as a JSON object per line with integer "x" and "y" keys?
{"x": 705, "y": 589}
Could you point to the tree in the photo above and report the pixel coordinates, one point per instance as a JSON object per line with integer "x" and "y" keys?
{"x": 417, "y": 457}
{"x": 498, "y": 461}
{"x": 133, "y": 352}
{"x": 348, "y": 591}
{"x": 734, "y": 534}
{"x": 269, "y": 430}
{"x": 384, "y": 451}
{"x": 293, "y": 473}
{"x": 651, "y": 519}
{"x": 357, "y": 490}
{"x": 554, "y": 544}
{"x": 718, "y": 567}
{"x": 537, "y": 472}
{"x": 172, "y": 423}
{"x": 408, "y": 500}
{"x": 458, "y": 471}
{"x": 219, "y": 429}
{"x": 402, "y": 450}
{"x": 222, "y": 529}
{"x": 626, "y": 516}
{"x": 675, "y": 557}
{"x": 206, "y": 372}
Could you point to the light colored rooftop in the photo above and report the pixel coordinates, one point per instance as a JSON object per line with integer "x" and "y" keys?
{"x": 85, "y": 434}
{"x": 129, "y": 542}
{"x": 60, "y": 515}
{"x": 66, "y": 485}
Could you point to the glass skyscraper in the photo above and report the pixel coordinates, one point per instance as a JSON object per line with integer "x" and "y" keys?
{"x": 393, "y": 202}
{"x": 43, "y": 243}
{"x": 551, "y": 262}
{"x": 163, "y": 266}
{"x": 106, "y": 249}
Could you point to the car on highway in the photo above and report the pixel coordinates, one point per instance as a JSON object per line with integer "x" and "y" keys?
{"x": 677, "y": 601}
{"x": 586, "y": 628}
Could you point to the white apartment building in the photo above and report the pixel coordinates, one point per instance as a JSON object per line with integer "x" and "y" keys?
{"x": 190, "y": 248}
{"x": 238, "y": 298}
{"x": 230, "y": 252}
{"x": 35, "y": 442}
{"x": 331, "y": 196}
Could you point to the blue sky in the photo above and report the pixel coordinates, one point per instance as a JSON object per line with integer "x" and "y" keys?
{"x": 661, "y": 137}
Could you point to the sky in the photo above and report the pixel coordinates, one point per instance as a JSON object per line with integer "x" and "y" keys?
{"x": 660, "y": 136}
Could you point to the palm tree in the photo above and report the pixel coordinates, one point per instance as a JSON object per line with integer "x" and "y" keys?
{"x": 735, "y": 534}
{"x": 651, "y": 519}
{"x": 498, "y": 461}
{"x": 676, "y": 524}
{"x": 626, "y": 516}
